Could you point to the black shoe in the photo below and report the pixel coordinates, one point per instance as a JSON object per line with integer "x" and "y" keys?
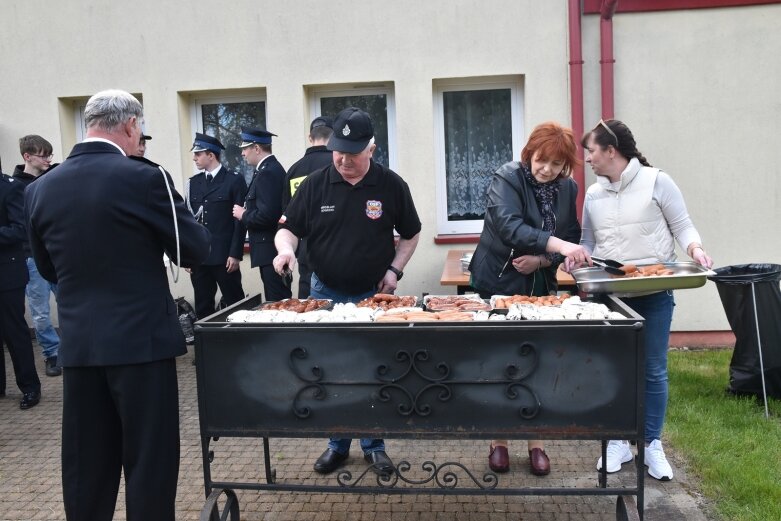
{"x": 52, "y": 369}
{"x": 329, "y": 461}
{"x": 380, "y": 462}
{"x": 29, "y": 400}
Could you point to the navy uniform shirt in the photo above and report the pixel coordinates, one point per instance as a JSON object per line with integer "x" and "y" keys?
{"x": 349, "y": 228}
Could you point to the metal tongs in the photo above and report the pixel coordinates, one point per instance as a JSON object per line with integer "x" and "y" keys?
{"x": 610, "y": 266}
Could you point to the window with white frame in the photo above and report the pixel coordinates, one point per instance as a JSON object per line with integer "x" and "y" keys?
{"x": 223, "y": 118}
{"x": 377, "y": 101}
{"x": 479, "y": 126}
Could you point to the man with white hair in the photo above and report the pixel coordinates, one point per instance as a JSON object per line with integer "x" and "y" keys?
{"x": 99, "y": 226}
{"x": 348, "y": 212}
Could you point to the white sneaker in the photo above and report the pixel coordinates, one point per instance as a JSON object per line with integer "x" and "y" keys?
{"x": 656, "y": 462}
{"x": 618, "y": 453}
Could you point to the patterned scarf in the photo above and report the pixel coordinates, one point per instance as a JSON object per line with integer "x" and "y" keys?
{"x": 545, "y": 194}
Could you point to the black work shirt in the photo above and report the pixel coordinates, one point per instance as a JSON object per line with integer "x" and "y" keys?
{"x": 349, "y": 228}
{"x": 315, "y": 158}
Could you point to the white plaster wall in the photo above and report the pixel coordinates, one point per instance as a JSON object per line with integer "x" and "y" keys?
{"x": 697, "y": 87}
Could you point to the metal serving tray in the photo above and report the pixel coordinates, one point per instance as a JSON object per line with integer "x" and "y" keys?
{"x": 686, "y": 275}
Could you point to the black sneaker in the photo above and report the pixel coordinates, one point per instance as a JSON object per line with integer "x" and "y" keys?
{"x": 29, "y": 400}
{"x": 52, "y": 369}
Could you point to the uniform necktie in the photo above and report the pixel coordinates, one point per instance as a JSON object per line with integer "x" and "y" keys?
{"x": 209, "y": 178}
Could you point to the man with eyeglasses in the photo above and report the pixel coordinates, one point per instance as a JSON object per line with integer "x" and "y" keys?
{"x": 37, "y": 155}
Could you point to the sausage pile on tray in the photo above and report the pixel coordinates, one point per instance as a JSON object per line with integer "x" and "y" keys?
{"x": 654, "y": 270}
{"x": 425, "y": 316}
{"x": 501, "y": 302}
{"x": 297, "y": 306}
{"x": 455, "y": 302}
{"x": 387, "y": 301}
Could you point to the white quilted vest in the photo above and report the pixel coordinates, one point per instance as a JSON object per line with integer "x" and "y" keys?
{"x": 628, "y": 224}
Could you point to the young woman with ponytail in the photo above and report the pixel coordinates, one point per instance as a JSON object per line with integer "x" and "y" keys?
{"x": 635, "y": 213}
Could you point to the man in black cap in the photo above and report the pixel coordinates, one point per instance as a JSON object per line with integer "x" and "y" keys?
{"x": 317, "y": 156}
{"x": 211, "y": 194}
{"x": 348, "y": 212}
{"x": 262, "y": 209}
{"x": 141, "y": 151}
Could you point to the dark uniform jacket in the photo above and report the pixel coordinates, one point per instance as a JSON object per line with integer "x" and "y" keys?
{"x": 263, "y": 210}
{"x": 513, "y": 227}
{"x": 215, "y": 202}
{"x": 25, "y": 178}
{"x": 315, "y": 158}
{"x": 13, "y": 267}
{"x": 98, "y": 226}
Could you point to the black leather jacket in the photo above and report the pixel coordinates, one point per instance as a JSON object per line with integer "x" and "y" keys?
{"x": 513, "y": 227}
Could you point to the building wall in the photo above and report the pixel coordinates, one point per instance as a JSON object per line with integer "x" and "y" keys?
{"x": 699, "y": 89}
{"x": 696, "y": 87}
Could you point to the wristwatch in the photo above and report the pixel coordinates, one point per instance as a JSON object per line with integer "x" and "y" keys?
{"x": 398, "y": 272}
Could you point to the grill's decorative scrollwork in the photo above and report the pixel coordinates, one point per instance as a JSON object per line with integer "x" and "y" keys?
{"x": 444, "y": 476}
{"x": 415, "y": 369}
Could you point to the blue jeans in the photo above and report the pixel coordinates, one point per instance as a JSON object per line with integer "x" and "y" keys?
{"x": 657, "y": 309}
{"x": 320, "y": 290}
{"x": 37, "y": 292}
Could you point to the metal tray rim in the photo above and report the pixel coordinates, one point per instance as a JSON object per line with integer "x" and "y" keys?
{"x": 644, "y": 284}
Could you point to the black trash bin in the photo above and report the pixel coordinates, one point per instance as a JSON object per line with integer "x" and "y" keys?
{"x": 751, "y": 297}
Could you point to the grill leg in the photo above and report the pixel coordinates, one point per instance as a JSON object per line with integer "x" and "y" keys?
{"x": 626, "y": 509}
{"x": 230, "y": 510}
{"x": 271, "y": 474}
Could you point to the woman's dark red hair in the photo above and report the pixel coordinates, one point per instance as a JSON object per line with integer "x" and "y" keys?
{"x": 551, "y": 141}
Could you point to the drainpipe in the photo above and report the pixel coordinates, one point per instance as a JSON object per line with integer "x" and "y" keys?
{"x": 576, "y": 93}
{"x": 606, "y": 61}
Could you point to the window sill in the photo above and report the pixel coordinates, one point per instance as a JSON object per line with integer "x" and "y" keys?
{"x": 461, "y": 238}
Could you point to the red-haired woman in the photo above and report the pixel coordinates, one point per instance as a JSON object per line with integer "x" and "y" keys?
{"x": 530, "y": 226}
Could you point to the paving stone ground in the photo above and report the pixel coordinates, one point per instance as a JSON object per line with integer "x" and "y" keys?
{"x": 30, "y": 473}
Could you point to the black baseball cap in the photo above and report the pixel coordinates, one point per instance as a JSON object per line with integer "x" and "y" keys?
{"x": 353, "y": 130}
{"x": 321, "y": 121}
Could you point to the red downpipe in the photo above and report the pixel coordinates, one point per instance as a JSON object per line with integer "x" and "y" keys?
{"x": 606, "y": 61}
{"x": 576, "y": 93}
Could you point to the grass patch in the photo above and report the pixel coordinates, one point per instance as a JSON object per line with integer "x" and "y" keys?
{"x": 733, "y": 450}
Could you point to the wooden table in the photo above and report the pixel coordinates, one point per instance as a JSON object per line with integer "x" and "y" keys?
{"x": 452, "y": 275}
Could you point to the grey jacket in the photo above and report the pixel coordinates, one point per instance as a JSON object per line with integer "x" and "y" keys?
{"x": 513, "y": 227}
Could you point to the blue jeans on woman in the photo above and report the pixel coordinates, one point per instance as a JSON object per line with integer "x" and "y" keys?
{"x": 320, "y": 290}
{"x": 657, "y": 310}
{"x": 38, "y": 291}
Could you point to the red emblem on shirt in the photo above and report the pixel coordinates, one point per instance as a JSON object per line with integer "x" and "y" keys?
{"x": 374, "y": 209}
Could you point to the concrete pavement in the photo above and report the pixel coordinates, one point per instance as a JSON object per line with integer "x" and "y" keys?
{"x": 30, "y": 473}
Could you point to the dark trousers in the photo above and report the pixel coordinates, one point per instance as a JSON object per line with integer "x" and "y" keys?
{"x": 14, "y": 331}
{"x": 275, "y": 287}
{"x": 117, "y": 418}
{"x": 205, "y": 280}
